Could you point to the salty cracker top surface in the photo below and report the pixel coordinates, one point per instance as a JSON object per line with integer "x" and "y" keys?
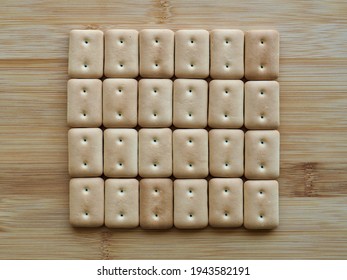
{"x": 227, "y": 49}
{"x": 261, "y": 55}
{"x": 121, "y": 53}
{"x": 86, "y": 54}
{"x": 156, "y": 53}
{"x": 192, "y": 54}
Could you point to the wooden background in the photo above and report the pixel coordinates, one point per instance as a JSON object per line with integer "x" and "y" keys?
{"x": 33, "y": 132}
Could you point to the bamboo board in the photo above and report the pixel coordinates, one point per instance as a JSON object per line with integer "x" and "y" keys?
{"x": 33, "y": 131}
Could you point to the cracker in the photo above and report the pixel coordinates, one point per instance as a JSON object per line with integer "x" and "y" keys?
{"x": 121, "y": 203}
{"x": 262, "y": 109}
{"x": 190, "y": 203}
{"x": 121, "y": 53}
{"x": 156, "y": 203}
{"x": 87, "y": 202}
{"x": 225, "y": 104}
{"x": 190, "y": 153}
{"x": 84, "y": 105}
{"x": 86, "y": 54}
{"x": 190, "y": 103}
{"x": 155, "y": 152}
{"x": 262, "y": 154}
{"x": 225, "y": 202}
{"x": 120, "y": 152}
{"x": 261, "y": 55}
{"x": 156, "y": 53}
{"x": 155, "y": 102}
{"x": 226, "y": 152}
{"x": 261, "y": 204}
{"x": 227, "y": 54}
{"x": 192, "y": 54}
{"x": 85, "y": 152}
{"x": 120, "y": 103}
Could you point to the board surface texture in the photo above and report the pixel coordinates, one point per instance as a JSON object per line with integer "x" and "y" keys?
{"x": 34, "y": 176}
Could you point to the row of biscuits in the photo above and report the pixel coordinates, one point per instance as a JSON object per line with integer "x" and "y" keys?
{"x": 184, "y": 203}
{"x": 184, "y": 103}
{"x": 162, "y": 53}
{"x": 183, "y": 153}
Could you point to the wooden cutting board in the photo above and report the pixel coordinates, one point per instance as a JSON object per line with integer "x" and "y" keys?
{"x": 33, "y": 131}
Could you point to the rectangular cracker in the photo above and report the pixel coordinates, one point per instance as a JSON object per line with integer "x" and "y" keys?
{"x": 121, "y": 53}
{"x": 190, "y": 153}
{"x": 261, "y": 204}
{"x": 120, "y": 152}
{"x": 84, "y": 103}
{"x": 155, "y": 102}
{"x": 225, "y": 202}
{"x": 85, "y": 152}
{"x": 262, "y": 105}
{"x": 156, "y": 203}
{"x": 261, "y": 55}
{"x": 86, "y": 54}
{"x": 262, "y": 154}
{"x": 156, "y": 53}
{"x": 121, "y": 203}
{"x": 226, "y": 152}
{"x": 120, "y": 103}
{"x": 190, "y": 204}
{"x": 192, "y": 54}
{"x": 155, "y": 152}
{"x": 225, "y": 104}
{"x": 86, "y": 202}
{"x": 227, "y": 54}
{"x": 190, "y": 103}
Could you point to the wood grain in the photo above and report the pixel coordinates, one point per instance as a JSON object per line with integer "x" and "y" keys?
{"x": 33, "y": 132}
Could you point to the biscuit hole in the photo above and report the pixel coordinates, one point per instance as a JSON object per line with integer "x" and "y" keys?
{"x": 190, "y": 191}
{"x": 85, "y": 164}
{"x": 226, "y": 164}
{"x": 156, "y": 41}
{"x": 261, "y": 216}
{"x": 226, "y": 91}
{"x": 154, "y": 164}
{"x": 120, "y": 140}
{"x": 261, "y": 192}
{"x": 84, "y": 90}
{"x": 261, "y": 66}
{"x": 190, "y": 141}
{"x": 226, "y": 141}
{"x": 192, "y": 41}
{"x": 156, "y": 190}
{"x": 262, "y": 142}
{"x": 121, "y": 214}
{"x": 86, "y": 213}
{"x": 121, "y": 190}
{"x": 84, "y": 139}
{"x": 155, "y": 140}
{"x": 86, "y": 42}
{"x": 262, "y": 116}
{"x": 120, "y": 164}
{"x": 190, "y": 90}
{"x": 155, "y": 90}
{"x": 226, "y": 190}
{"x": 119, "y": 114}
{"x": 225, "y": 214}
{"x": 85, "y": 65}
{"x": 156, "y": 215}
{"x": 119, "y": 90}
{"x": 190, "y": 165}
{"x": 154, "y": 114}
{"x": 262, "y": 166}
{"x": 190, "y": 215}
{"x": 156, "y": 65}
{"x": 226, "y": 65}
{"x": 86, "y": 189}
{"x": 262, "y": 41}
{"x": 225, "y": 116}
{"x": 191, "y": 65}
{"x": 190, "y": 114}
{"x": 262, "y": 92}
{"x": 227, "y": 41}
{"x": 121, "y": 41}
{"x": 121, "y": 65}
{"x": 84, "y": 114}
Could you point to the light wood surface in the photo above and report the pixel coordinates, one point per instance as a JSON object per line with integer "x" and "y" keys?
{"x": 33, "y": 131}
